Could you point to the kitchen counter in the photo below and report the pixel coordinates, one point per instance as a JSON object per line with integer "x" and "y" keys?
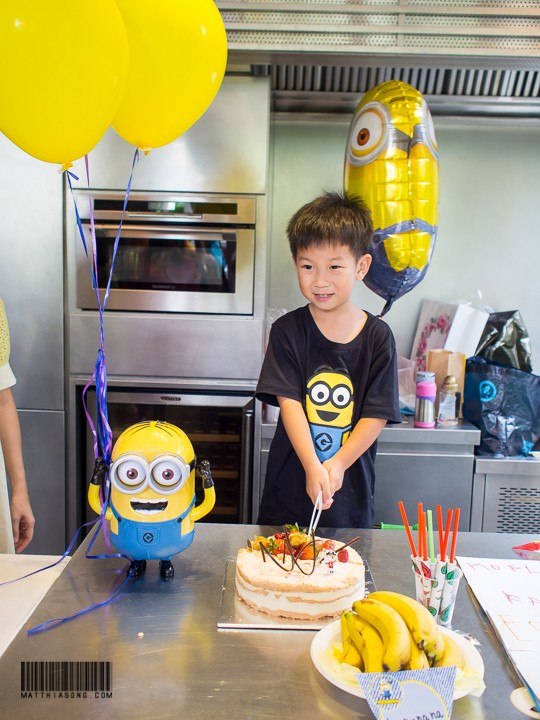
{"x": 169, "y": 659}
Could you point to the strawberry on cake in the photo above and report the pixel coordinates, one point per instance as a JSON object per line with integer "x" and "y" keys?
{"x": 292, "y": 575}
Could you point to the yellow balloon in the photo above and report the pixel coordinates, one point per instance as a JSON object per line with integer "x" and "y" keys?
{"x": 63, "y": 67}
{"x": 178, "y": 54}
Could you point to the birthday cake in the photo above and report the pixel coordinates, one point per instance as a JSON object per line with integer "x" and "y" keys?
{"x": 291, "y": 575}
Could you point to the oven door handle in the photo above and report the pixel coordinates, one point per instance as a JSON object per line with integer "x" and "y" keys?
{"x": 167, "y": 216}
{"x": 174, "y": 233}
{"x": 246, "y": 459}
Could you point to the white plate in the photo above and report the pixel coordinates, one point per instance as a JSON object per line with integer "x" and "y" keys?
{"x": 343, "y": 676}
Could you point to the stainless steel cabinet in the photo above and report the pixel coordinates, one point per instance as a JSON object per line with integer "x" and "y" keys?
{"x": 31, "y": 285}
{"x": 44, "y": 459}
{"x": 433, "y": 466}
{"x": 506, "y": 495}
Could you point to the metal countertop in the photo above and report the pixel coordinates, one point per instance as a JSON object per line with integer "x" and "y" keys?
{"x": 464, "y": 433}
{"x": 183, "y": 666}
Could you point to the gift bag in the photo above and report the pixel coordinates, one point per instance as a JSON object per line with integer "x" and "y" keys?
{"x": 505, "y": 340}
{"x": 504, "y": 403}
{"x": 443, "y": 363}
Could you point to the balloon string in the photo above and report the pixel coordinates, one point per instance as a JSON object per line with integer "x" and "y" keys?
{"x": 71, "y": 176}
{"x": 56, "y": 562}
{"x": 49, "y": 624}
{"x": 102, "y": 432}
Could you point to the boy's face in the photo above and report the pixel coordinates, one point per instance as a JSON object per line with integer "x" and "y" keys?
{"x": 327, "y": 274}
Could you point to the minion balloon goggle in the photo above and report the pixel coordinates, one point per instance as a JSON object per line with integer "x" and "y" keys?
{"x": 131, "y": 473}
{"x": 373, "y": 132}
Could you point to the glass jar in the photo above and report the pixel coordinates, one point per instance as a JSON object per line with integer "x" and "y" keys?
{"x": 448, "y": 402}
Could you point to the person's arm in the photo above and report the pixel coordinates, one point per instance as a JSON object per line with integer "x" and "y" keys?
{"x": 364, "y": 434}
{"x": 297, "y": 428}
{"x": 22, "y": 517}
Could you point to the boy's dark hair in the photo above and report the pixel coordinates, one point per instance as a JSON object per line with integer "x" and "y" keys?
{"x": 337, "y": 218}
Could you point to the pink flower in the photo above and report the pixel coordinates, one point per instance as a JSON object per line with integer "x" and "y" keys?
{"x": 443, "y": 322}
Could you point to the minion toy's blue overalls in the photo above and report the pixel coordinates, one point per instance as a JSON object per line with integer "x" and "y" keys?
{"x": 151, "y": 541}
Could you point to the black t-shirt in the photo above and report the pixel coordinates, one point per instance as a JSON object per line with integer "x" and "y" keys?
{"x": 337, "y": 384}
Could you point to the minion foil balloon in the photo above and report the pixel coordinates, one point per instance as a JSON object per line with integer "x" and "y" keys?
{"x": 151, "y": 506}
{"x": 392, "y": 163}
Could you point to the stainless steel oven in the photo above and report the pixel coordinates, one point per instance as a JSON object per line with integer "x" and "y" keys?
{"x": 219, "y": 425}
{"x": 177, "y": 253}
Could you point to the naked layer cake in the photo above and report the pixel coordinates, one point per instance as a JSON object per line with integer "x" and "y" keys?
{"x": 298, "y": 585}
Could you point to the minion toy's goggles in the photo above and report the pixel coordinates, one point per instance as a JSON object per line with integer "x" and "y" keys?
{"x": 131, "y": 473}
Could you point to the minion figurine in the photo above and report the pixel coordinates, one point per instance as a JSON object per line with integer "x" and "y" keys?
{"x": 151, "y": 508}
{"x": 391, "y": 161}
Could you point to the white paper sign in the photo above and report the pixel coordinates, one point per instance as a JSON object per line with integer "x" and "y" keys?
{"x": 509, "y": 593}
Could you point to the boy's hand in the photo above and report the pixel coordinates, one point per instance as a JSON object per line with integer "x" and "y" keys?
{"x": 336, "y": 472}
{"x": 318, "y": 480}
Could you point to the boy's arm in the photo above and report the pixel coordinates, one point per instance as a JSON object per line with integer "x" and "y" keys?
{"x": 297, "y": 427}
{"x": 22, "y": 517}
{"x": 364, "y": 434}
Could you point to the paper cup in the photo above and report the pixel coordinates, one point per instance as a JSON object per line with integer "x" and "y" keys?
{"x": 422, "y": 579}
{"x": 436, "y": 586}
{"x": 453, "y": 575}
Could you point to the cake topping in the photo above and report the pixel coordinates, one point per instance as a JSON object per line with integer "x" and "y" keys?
{"x": 293, "y": 545}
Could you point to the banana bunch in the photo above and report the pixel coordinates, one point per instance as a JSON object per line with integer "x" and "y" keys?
{"x": 388, "y": 631}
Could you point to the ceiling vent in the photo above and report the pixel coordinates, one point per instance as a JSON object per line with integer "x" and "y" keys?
{"x": 466, "y": 56}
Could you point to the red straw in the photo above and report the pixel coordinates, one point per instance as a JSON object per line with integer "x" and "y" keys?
{"x": 454, "y": 536}
{"x": 407, "y": 528}
{"x": 440, "y": 528}
{"x": 419, "y": 532}
{"x": 446, "y": 533}
{"x": 422, "y": 540}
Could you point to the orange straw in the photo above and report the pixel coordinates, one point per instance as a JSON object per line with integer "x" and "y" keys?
{"x": 446, "y": 533}
{"x": 407, "y": 528}
{"x": 454, "y": 536}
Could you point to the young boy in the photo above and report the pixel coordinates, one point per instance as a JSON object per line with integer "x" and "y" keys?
{"x": 332, "y": 369}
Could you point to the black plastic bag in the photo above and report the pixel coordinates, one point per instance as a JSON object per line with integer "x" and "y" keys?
{"x": 505, "y": 340}
{"x": 504, "y": 403}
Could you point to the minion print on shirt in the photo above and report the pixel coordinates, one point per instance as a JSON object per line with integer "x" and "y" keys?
{"x": 329, "y": 410}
